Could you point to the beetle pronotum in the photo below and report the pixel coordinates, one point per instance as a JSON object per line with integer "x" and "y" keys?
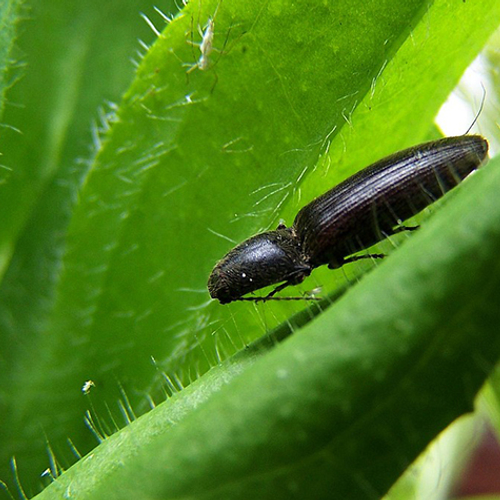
{"x": 353, "y": 216}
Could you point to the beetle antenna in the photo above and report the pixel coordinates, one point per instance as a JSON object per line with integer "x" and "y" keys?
{"x": 479, "y": 111}
{"x": 265, "y": 299}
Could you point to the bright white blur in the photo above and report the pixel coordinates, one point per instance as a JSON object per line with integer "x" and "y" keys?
{"x": 463, "y": 105}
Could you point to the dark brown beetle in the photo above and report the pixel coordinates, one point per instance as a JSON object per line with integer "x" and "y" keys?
{"x": 353, "y": 216}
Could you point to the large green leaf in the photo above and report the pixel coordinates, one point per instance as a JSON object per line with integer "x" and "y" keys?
{"x": 341, "y": 407}
{"x": 66, "y": 52}
{"x": 8, "y": 19}
{"x": 70, "y": 58}
{"x": 297, "y": 97}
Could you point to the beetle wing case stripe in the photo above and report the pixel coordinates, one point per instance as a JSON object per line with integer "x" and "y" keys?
{"x": 369, "y": 206}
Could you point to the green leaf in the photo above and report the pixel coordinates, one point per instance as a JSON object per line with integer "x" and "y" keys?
{"x": 70, "y": 60}
{"x": 297, "y": 98}
{"x": 490, "y": 401}
{"x": 341, "y": 407}
{"x": 66, "y": 51}
{"x": 8, "y": 20}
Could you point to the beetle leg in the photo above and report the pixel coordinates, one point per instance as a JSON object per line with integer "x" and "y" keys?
{"x": 278, "y": 289}
{"x": 400, "y": 229}
{"x": 294, "y": 279}
{"x": 359, "y": 257}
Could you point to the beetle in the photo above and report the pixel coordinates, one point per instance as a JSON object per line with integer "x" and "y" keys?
{"x": 354, "y": 215}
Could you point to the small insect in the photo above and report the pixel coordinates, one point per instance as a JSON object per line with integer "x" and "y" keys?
{"x": 206, "y": 45}
{"x": 354, "y": 215}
